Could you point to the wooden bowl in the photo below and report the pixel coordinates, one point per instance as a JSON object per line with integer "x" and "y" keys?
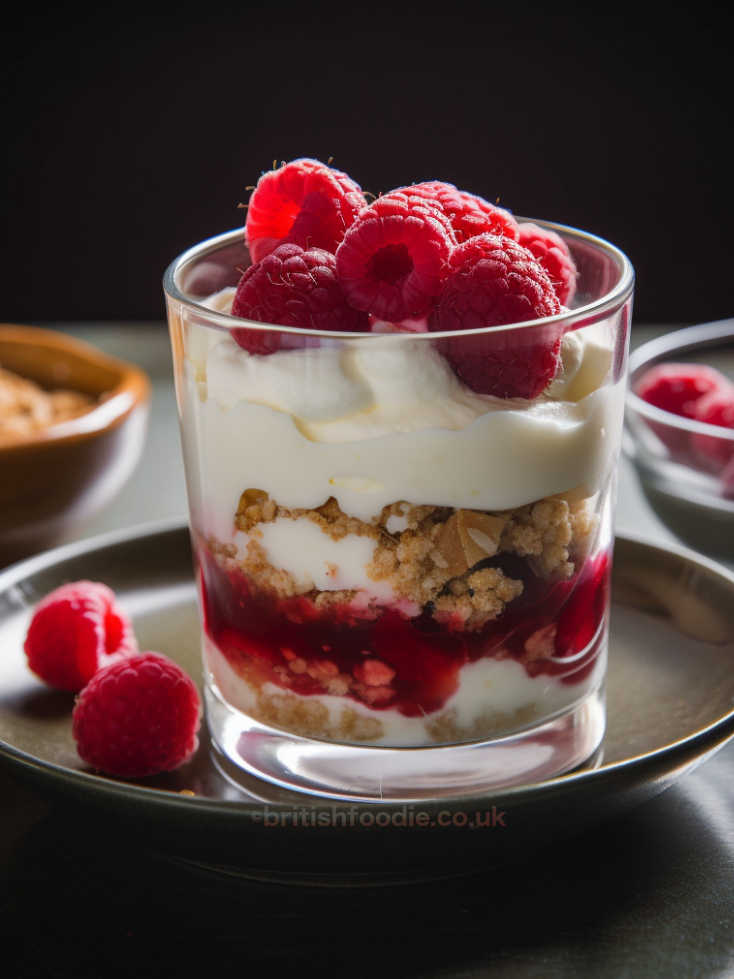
{"x": 59, "y": 476}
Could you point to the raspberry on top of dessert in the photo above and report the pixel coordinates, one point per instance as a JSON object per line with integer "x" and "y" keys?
{"x": 425, "y": 254}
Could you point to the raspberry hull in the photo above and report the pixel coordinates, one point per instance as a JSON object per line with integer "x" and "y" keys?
{"x": 390, "y": 677}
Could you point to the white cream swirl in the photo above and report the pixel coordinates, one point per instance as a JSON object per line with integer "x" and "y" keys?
{"x": 381, "y": 419}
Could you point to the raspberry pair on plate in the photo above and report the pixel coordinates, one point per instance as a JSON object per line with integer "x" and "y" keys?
{"x": 427, "y": 257}
{"x": 137, "y": 713}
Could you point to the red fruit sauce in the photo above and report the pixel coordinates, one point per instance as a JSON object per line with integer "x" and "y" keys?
{"x": 409, "y": 664}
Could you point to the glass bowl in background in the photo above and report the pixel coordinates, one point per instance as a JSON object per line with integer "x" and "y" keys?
{"x": 404, "y": 586}
{"x": 690, "y": 494}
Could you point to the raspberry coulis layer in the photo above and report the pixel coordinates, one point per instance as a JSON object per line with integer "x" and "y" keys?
{"x": 385, "y": 659}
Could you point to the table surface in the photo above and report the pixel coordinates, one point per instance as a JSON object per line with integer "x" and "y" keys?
{"x": 646, "y": 893}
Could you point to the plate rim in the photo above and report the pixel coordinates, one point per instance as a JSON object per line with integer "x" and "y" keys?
{"x": 101, "y": 785}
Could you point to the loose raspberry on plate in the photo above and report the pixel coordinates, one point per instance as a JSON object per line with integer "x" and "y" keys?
{"x": 494, "y": 281}
{"x": 293, "y": 287}
{"x": 715, "y": 408}
{"x": 469, "y": 214}
{"x": 394, "y": 258}
{"x": 304, "y": 202}
{"x": 553, "y": 254}
{"x": 75, "y": 630}
{"x": 137, "y": 717}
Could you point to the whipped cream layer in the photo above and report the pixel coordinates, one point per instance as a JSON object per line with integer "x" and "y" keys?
{"x": 315, "y": 559}
{"x": 384, "y": 418}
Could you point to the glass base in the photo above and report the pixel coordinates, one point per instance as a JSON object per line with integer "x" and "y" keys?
{"x": 244, "y": 746}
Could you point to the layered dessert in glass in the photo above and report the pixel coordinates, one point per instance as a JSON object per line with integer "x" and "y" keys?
{"x": 400, "y": 424}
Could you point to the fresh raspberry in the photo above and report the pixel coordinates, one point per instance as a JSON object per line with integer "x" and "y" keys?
{"x": 678, "y": 388}
{"x": 469, "y": 215}
{"x": 304, "y": 202}
{"x": 293, "y": 287}
{"x": 553, "y": 254}
{"x": 137, "y": 717}
{"x": 715, "y": 408}
{"x": 75, "y": 630}
{"x": 394, "y": 258}
{"x": 494, "y": 282}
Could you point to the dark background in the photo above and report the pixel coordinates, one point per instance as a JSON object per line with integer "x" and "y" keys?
{"x": 131, "y": 137}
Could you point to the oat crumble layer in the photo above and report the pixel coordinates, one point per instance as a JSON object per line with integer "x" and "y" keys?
{"x": 310, "y": 718}
{"x": 437, "y": 558}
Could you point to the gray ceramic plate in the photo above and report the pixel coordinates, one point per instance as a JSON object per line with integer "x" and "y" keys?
{"x": 670, "y": 705}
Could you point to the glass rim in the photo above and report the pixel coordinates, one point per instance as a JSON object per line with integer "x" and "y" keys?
{"x": 678, "y": 423}
{"x": 581, "y": 316}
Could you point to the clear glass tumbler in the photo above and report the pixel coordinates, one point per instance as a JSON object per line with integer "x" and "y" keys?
{"x": 404, "y": 585}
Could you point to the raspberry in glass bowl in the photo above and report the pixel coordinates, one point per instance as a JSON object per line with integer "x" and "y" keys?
{"x": 680, "y": 431}
{"x": 400, "y": 448}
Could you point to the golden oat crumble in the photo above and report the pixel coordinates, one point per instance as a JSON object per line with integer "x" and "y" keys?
{"x": 434, "y": 557}
{"x": 274, "y": 580}
{"x": 478, "y": 598}
{"x": 254, "y": 507}
{"x": 543, "y": 532}
{"x": 327, "y": 599}
{"x": 26, "y": 408}
{"x": 445, "y": 729}
{"x": 310, "y": 717}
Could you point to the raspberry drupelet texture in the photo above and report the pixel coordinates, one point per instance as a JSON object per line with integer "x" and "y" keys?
{"x": 77, "y": 629}
{"x": 494, "y": 281}
{"x": 137, "y": 717}
{"x": 469, "y": 214}
{"x": 304, "y": 202}
{"x": 394, "y": 258}
{"x": 553, "y": 254}
{"x": 293, "y": 287}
